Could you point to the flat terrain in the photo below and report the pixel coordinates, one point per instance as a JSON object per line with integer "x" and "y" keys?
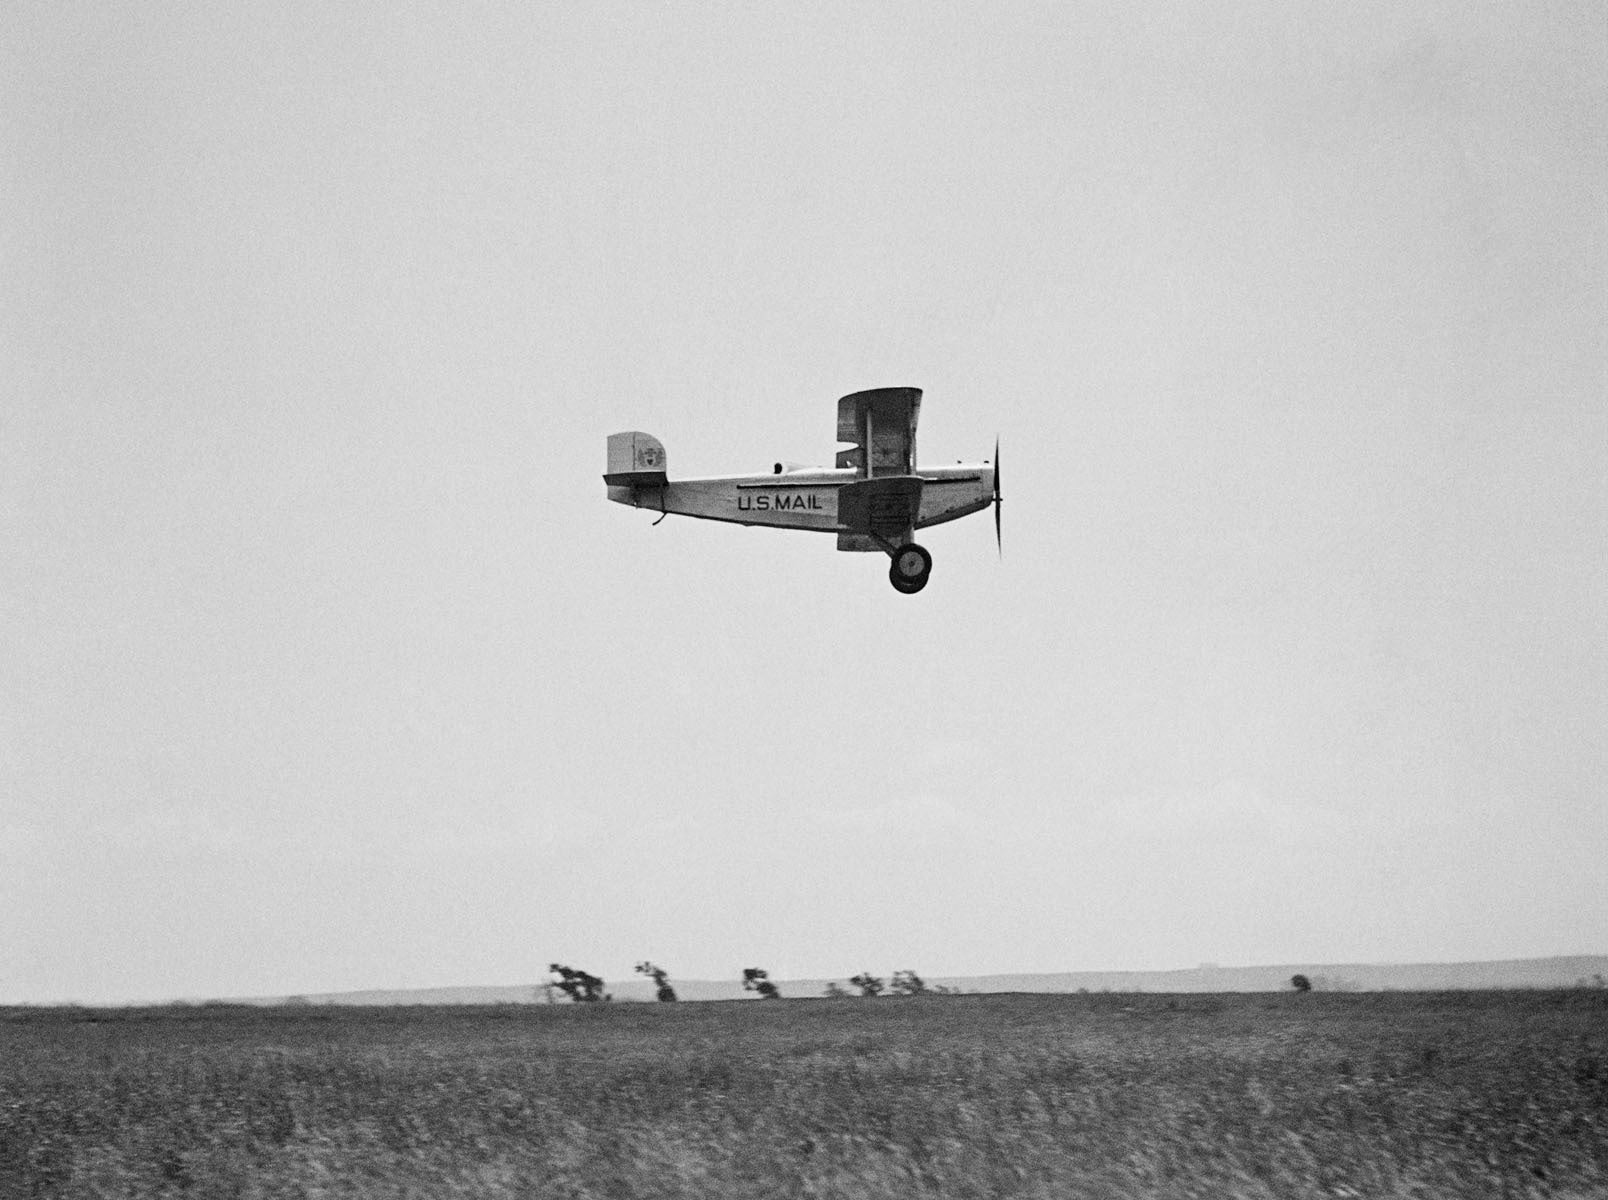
{"x": 1365, "y": 1095}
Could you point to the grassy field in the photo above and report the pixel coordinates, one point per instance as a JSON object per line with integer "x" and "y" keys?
{"x": 1362, "y": 1095}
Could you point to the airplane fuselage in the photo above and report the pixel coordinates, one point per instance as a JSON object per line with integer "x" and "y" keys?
{"x": 807, "y": 498}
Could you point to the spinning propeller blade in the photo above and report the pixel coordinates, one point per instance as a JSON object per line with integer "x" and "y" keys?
{"x": 998, "y": 542}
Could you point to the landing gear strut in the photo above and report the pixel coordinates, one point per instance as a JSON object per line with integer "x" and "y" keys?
{"x": 910, "y": 569}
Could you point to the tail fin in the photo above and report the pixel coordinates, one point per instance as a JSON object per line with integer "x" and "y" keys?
{"x": 636, "y": 460}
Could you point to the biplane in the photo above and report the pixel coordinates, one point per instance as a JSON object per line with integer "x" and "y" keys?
{"x": 873, "y": 498}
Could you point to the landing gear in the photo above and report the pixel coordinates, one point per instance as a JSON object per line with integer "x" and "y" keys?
{"x": 910, "y": 569}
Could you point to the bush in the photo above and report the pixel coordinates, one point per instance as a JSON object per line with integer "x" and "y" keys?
{"x": 869, "y": 984}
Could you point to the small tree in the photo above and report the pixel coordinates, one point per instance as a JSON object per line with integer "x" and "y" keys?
{"x": 579, "y": 986}
{"x": 756, "y": 979}
{"x": 1300, "y": 983}
{"x": 869, "y": 984}
{"x": 666, "y": 994}
{"x": 836, "y": 991}
{"x": 908, "y": 983}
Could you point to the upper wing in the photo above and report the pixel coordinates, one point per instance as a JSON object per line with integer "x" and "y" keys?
{"x": 883, "y": 419}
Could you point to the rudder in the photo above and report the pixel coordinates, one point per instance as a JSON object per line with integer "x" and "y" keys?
{"x": 636, "y": 459}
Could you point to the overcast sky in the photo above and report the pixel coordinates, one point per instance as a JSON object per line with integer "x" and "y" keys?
{"x": 324, "y": 663}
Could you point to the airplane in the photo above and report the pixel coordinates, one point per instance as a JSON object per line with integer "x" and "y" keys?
{"x": 873, "y": 499}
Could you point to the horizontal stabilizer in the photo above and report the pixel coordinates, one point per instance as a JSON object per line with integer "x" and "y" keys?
{"x": 636, "y": 460}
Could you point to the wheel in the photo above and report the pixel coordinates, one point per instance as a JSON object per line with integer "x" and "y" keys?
{"x": 911, "y": 562}
{"x": 908, "y": 586}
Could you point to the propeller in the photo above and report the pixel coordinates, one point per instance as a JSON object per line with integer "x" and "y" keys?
{"x": 998, "y": 543}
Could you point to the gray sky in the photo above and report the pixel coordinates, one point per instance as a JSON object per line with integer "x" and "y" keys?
{"x": 324, "y": 663}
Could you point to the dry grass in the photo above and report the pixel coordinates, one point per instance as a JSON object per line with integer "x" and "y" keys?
{"x": 1461, "y": 1094}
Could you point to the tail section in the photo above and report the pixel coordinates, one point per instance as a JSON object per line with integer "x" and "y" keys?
{"x": 636, "y": 460}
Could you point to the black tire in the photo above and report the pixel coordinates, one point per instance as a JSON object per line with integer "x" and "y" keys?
{"x": 910, "y": 563}
{"x": 908, "y": 586}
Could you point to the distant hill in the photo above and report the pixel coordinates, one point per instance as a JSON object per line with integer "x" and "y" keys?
{"x": 1360, "y": 977}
